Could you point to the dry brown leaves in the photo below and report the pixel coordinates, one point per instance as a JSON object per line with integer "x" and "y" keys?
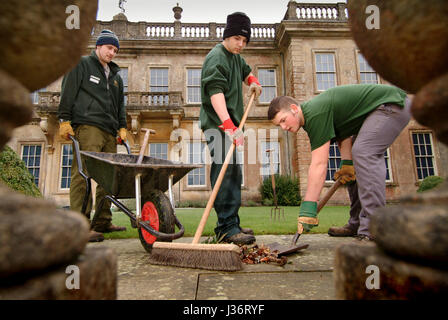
{"x": 255, "y": 254}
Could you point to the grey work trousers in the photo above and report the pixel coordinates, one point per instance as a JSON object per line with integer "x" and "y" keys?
{"x": 378, "y": 132}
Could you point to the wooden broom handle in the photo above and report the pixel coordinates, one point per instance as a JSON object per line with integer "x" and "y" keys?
{"x": 328, "y": 195}
{"x": 215, "y": 190}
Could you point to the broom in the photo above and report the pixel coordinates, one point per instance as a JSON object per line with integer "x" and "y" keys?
{"x": 224, "y": 257}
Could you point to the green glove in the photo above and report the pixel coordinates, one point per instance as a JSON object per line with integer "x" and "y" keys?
{"x": 346, "y": 172}
{"x": 307, "y": 216}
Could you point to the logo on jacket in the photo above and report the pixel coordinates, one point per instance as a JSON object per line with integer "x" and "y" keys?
{"x": 116, "y": 83}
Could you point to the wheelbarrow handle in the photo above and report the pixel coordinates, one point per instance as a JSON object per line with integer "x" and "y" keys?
{"x": 81, "y": 172}
{"x": 126, "y": 145}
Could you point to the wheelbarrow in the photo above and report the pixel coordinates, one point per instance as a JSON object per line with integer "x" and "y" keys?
{"x": 146, "y": 179}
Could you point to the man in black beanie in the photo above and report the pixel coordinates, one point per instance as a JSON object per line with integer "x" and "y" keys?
{"x": 223, "y": 73}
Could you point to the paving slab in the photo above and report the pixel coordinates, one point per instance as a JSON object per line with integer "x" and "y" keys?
{"x": 307, "y": 275}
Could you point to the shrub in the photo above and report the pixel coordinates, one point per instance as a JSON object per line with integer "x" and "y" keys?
{"x": 192, "y": 204}
{"x": 251, "y": 203}
{"x": 429, "y": 183}
{"x": 286, "y": 187}
{"x": 14, "y": 173}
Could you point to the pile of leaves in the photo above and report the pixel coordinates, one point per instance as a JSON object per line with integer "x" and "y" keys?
{"x": 255, "y": 254}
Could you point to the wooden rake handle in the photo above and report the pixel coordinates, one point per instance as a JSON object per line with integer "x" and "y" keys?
{"x": 145, "y": 144}
{"x": 215, "y": 190}
{"x": 328, "y": 195}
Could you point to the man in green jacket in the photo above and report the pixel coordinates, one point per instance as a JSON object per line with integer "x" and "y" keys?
{"x": 223, "y": 73}
{"x": 364, "y": 119}
{"x": 92, "y": 110}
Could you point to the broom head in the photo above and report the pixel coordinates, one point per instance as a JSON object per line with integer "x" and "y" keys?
{"x": 223, "y": 257}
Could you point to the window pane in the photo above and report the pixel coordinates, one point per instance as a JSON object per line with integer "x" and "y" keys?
{"x": 196, "y": 155}
{"x": 333, "y": 161}
{"x": 66, "y": 161}
{"x": 265, "y": 169}
{"x": 423, "y": 153}
{"x": 31, "y": 155}
{"x": 159, "y": 150}
{"x": 193, "y": 85}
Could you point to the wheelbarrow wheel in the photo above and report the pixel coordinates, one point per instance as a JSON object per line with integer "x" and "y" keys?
{"x": 158, "y": 212}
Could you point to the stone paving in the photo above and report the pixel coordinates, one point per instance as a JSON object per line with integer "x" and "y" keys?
{"x": 308, "y": 274}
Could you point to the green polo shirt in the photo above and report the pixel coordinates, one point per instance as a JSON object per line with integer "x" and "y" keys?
{"x": 222, "y": 72}
{"x": 340, "y": 111}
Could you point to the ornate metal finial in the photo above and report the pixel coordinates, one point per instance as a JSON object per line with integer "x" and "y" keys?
{"x": 121, "y": 5}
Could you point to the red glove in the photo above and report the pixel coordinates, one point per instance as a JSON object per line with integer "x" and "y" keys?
{"x": 233, "y": 132}
{"x": 254, "y": 86}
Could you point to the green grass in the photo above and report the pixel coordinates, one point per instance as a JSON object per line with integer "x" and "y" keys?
{"x": 257, "y": 218}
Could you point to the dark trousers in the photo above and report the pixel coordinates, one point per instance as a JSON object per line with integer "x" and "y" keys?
{"x": 228, "y": 199}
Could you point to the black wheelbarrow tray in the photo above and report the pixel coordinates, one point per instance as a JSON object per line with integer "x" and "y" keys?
{"x": 122, "y": 178}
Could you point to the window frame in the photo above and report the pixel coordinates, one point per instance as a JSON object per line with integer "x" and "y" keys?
{"x": 263, "y": 148}
{"x": 41, "y": 145}
{"x": 61, "y": 167}
{"x": 125, "y": 86}
{"x": 434, "y": 162}
{"x": 358, "y": 67}
{"x": 389, "y": 166}
{"x": 162, "y": 144}
{"x": 338, "y": 159}
{"x": 275, "y": 86}
{"x": 187, "y": 86}
{"x": 315, "y": 72}
{"x": 203, "y": 161}
{"x": 165, "y": 97}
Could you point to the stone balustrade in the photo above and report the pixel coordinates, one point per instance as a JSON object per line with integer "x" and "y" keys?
{"x": 325, "y": 12}
{"x": 145, "y": 99}
{"x": 154, "y": 99}
{"x": 177, "y": 30}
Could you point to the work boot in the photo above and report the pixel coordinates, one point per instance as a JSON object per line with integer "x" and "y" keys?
{"x": 345, "y": 231}
{"x": 109, "y": 228}
{"x": 240, "y": 238}
{"x": 247, "y": 231}
{"x": 95, "y": 236}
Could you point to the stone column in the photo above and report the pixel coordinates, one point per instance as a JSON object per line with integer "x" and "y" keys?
{"x": 41, "y": 42}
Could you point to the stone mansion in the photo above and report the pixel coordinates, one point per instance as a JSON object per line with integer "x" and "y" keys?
{"x": 307, "y": 52}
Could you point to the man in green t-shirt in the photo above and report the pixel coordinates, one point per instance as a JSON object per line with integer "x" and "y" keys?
{"x": 364, "y": 119}
{"x": 223, "y": 73}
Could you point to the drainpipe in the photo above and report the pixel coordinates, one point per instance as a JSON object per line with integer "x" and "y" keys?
{"x": 288, "y": 151}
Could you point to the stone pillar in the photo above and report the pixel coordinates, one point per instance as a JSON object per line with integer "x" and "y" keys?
{"x": 40, "y": 241}
{"x": 411, "y": 240}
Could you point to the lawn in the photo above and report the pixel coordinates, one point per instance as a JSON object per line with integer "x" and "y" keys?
{"x": 257, "y": 218}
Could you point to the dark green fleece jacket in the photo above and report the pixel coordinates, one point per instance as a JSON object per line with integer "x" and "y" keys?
{"x": 222, "y": 72}
{"x": 87, "y": 97}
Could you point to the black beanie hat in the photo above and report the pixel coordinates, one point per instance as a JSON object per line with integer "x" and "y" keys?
{"x": 238, "y": 24}
{"x": 107, "y": 37}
